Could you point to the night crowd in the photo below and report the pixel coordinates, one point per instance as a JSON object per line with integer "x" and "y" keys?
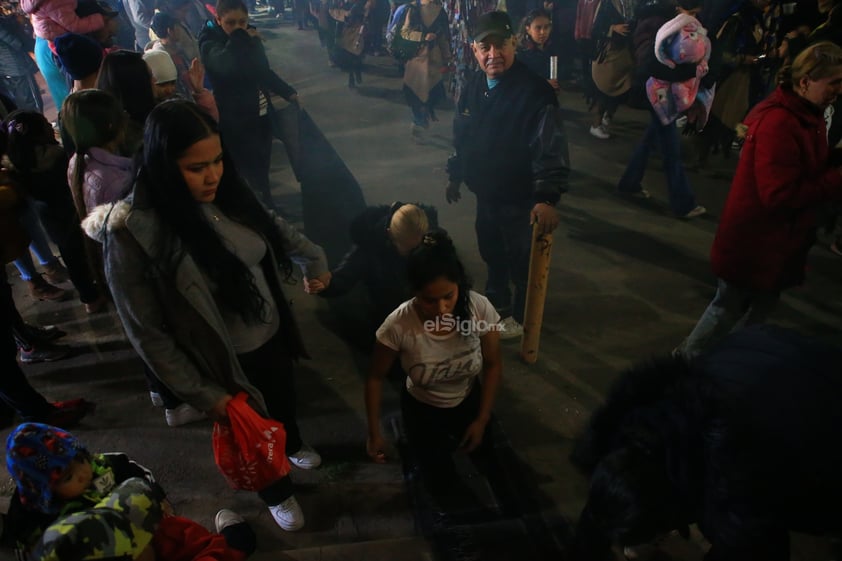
{"x": 153, "y": 184}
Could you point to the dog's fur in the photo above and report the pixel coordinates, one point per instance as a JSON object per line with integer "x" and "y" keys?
{"x": 745, "y": 443}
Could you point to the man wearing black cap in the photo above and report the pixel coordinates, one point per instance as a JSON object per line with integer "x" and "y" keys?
{"x": 511, "y": 152}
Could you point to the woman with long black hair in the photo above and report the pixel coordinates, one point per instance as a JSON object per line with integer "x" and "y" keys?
{"x": 196, "y": 264}
{"x": 445, "y": 338}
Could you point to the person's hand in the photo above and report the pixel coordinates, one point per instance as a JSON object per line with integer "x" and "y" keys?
{"x": 294, "y": 98}
{"x": 473, "y": 436}
{"x": 219, "y": 412}
{"x": 196, "y": 75}
{"x": 546, "y": 216}
{"x": 375, "y": 447}
{"x": 252, "y": 31}
{"x": 318, "y": 284}
{"x": 430, "y": 37}
{"x": 554, "y": 84}
{"x": 620, "y": 29}
{"x": 452, "y": 193}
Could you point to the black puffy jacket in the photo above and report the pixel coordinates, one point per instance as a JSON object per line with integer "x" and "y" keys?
{"x": 510, "y": 141}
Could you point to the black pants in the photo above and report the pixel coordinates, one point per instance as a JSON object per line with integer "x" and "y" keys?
{"x": 15, "y": 391}
{"x": 62, "y": 225}
{"x": 434, "y": 433}
{"x": 270, "y": 369}
{"x": 504, "y": 237}
{"x": 251, "y": 149}
{"x": 170, "y": 400}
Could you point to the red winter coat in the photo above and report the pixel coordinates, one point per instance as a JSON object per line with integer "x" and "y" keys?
{"x": 783, "y": 176}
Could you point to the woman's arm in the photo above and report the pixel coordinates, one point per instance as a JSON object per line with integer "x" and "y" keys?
{"x": 304, "y": 253}
{"x": 350, "y": 271}
{"x": 381, "y": 362}
{"x": 782, "y": 180}
{"x": 234, "y": 57}
{"x": 492, "y": 373}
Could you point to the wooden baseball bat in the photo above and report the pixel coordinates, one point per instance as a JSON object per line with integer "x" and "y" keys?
{"x": 536, "y": 294}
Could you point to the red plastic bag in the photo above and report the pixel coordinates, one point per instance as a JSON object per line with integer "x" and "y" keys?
{"x": 250, "y": 452}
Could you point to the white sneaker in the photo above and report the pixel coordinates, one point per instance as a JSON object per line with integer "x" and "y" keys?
{"x": 606, "y": 120}
{"x": 698, "y": 211}
{"x": 156, "y": 398}
{"x": 509, "y": 328}
{"x": 600, "y": 132}
{"x": 184, "y": 414}
{"x": 288, "y": 515}
{"x": 306, "y": 458}
{"x": 225, "y": 518}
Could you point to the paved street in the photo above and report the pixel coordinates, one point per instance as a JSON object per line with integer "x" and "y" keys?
{"x": 627, "y": 282}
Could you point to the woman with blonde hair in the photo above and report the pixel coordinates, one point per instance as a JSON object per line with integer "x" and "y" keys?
{"x": 783, "y": 178}
{"x": 383, "y": 236}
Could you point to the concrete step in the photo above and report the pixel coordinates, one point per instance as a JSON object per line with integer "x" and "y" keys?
{"x": 404, "y": 549}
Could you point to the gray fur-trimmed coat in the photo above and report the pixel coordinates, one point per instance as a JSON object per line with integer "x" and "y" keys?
{"x": 173, "y": 321}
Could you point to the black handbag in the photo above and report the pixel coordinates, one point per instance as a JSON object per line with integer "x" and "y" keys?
{"x": 403, "y": 49}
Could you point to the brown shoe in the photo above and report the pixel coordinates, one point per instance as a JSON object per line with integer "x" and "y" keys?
{"x": 56, "y": 273}
{"x": 42, "y": 290}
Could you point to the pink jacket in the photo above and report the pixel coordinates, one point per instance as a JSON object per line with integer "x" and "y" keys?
{"x": 51, "y": 18}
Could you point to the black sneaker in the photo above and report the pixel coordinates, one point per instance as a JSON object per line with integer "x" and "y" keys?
{"x": 42, "y": 334}
{"x": 44, "y": 353}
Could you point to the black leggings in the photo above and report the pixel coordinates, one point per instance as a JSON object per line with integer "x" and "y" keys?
{"x": 434, "y": 433}
{"x": 270, "y": 369}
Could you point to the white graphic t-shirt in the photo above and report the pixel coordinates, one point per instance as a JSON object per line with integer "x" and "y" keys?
{"x": 440, "y": 368}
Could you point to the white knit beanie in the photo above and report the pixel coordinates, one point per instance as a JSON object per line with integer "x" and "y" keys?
{"x": 161, "y": 66}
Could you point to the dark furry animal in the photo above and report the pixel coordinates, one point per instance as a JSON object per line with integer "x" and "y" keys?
{"x": 745, "y": 442}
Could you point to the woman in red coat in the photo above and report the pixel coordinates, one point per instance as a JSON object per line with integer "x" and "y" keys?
{"x": 783, "y": 177}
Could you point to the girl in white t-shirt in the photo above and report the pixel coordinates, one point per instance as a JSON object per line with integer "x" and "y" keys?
{"x": 446, "y": 336}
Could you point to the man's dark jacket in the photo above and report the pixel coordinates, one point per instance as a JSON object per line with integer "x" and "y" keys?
{"x": 510, "y": 142}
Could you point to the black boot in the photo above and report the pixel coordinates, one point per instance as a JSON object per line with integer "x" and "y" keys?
{"x": 351, "y": 83}
{"x": 359, "y": 74}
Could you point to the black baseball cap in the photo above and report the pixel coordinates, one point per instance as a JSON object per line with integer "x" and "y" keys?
{"x": 493, "y": 23}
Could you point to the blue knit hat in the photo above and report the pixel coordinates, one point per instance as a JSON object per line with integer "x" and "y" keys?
{"x": 79, "y": 55}
{"x": 36, "y": 456}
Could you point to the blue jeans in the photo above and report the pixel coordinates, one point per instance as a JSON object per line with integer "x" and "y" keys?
{"x": 666, "y": 137}
{"x": 731, "y": 308}
{"x": 504, "y": 236}
{"x": 40, "y": 245}
{"x": 56, "y": 80}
